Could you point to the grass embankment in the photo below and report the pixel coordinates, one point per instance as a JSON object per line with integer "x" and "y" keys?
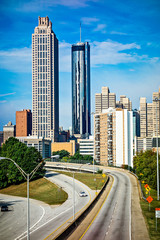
{"x": 93, "y": 181}
{"x": 150, "y": 215}
{"x": 40, "y": 189}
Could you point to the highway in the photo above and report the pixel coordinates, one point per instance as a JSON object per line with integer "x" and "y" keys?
{"x": 45, "y": 219}
{"x": 113, "y": 222}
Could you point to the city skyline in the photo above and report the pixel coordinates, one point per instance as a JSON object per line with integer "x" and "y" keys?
{"x": 125, "y": 50}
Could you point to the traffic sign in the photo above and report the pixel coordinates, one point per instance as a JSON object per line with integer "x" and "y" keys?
{"x": 149, "y": 199}
{"x": 157, "y": 212}
{"x": 146, "y": 185}
{"x": 103, "y": 175}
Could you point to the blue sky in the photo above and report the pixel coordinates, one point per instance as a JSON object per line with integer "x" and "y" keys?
{"x": 125, "y": 49}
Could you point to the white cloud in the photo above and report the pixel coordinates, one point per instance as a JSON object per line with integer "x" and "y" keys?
{"x": 100, "y": 28}
{"x": 118, "y": 33}
{"x": 65, "y": 57}
{"x": 16, "y": 59}
{"x": 110, "y": 52}
{"x": 89, "y": 21}
{"x": 102, "y": 53}
{"x": 38, "y": 5}
{"x": 4, "y": 101}
{"x": 7, "y": 94}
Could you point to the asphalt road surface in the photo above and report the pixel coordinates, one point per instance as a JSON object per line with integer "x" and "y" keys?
{"x": 113, "y": 222}
{"x": 44, "y": 219}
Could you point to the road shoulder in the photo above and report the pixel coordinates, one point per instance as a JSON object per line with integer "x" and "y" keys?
{"x": 138, "y": 226}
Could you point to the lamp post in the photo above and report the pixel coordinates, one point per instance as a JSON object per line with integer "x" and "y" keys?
{"x": 28, "y": 177}
{"x": 157, "y": 100}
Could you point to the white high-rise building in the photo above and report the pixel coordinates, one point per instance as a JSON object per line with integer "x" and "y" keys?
{"x": 113, "y": 134}
{"x": 45, "y": 81}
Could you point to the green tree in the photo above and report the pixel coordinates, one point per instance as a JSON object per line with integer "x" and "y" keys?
{"x": 61, "y": 153}
{"x": 145, "y": 164}
{"x": 26, "y": 158}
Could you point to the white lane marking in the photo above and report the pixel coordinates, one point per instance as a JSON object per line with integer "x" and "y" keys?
{"x": 24, "y": 234}
{"x": 49, "y": 221}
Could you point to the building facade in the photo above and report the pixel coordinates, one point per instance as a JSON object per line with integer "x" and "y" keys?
{"x": 81, "y": 122}
{"x": 71, "y": 146}
{"x": 45, "y": 81}
{"x": 104, "y": 100}
{"x": 143, "y": 117}
{"x": 42, "y": 145}
{"x": 9, "y": 130}
{"x": 114, "y": 137}
{"x": 86, "y": 146}
{"x": 1, "y": 137}
{"x": 23, "y": 123}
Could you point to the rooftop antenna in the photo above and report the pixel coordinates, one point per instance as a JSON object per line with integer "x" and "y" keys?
{"x": 80, "y": 31}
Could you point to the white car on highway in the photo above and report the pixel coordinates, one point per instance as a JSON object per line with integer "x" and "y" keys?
{"x": 83, "y": 194}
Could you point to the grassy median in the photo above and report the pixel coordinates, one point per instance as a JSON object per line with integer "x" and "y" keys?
{"x": 40, "y": 189}
{"x": 93, "y": 181}
{"x": 150, "y": 215}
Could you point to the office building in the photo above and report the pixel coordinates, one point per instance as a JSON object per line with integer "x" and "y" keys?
{"x": 42, "y": 145}
{"x": 71, "y": 146}
{"x": 104, "y": 100}
{"x": 9, "y": 130}
{"x": 1, "y": 138}
{"x": 45, "y": 81}
{"x": 136, "y": 123}
{"x": 81, "y": 123}
{"x": 156, "y": 113}
{"x": 126, "y": 103}
{"x": 23, "y": 123}
{"x": 142, "y": 144}
{"x": 149, "y": 119}
{"x": 86, "y": 146}
{"x": 114, "y": 137}
{"x": 150, "y": 116}
{"x": 143, "y": 117}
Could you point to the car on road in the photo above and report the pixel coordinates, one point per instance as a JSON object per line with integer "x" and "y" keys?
{"x": 83, "y": 194}
{"x": 4, "y": 208}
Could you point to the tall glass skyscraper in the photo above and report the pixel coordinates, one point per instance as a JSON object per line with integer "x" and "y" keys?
{"x": 81, "y": 89}
{"x": 45, "y": 81}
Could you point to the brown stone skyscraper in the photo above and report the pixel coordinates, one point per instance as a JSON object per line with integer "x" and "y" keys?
{"x": 45, "y": 81}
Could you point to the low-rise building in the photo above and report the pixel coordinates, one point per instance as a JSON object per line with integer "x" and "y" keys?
{"x": 41, "y": 144}
{"x": 9, "y": 130}
{"x": 71, "y": 146}
{"x": 86, "y": 146}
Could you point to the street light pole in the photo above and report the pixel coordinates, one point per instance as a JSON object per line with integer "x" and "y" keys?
{"x": 28, "y": 177}
{"x": 156, "y": 100}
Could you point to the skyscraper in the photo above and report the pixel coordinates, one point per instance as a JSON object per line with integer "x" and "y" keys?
{"x": 45, "y": 81}
{"x": 81, "y": 89}
{"x": 104, "y": 100}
